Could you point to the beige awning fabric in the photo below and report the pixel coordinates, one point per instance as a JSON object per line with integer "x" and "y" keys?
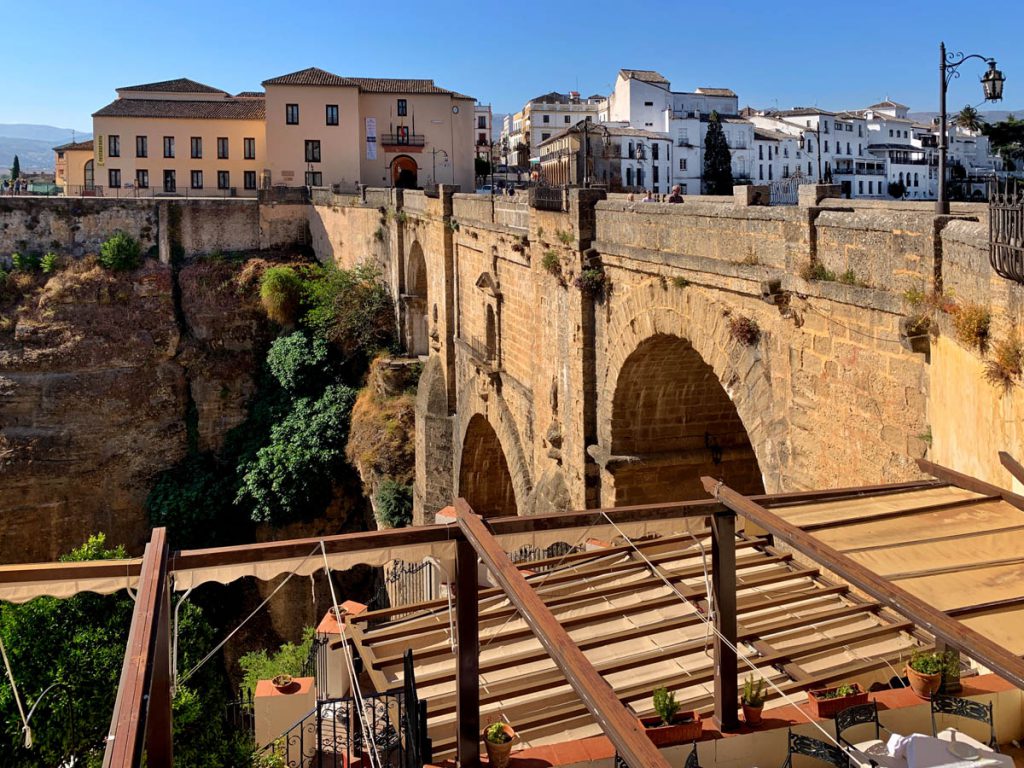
{"x": 312, "y": 562}
{"x": 72, "y": 579}
{"x": 443, "y": 553}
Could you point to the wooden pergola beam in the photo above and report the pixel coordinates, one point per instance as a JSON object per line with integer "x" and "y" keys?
{"x": 618, "y": 724}
{"x": 968, "y": 483}
{"x": 1012, "y": 466}
{"x": 141, "y": 719}
{"x": 942, "y": 626}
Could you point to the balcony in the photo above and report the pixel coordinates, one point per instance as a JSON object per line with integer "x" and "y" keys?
{"x": 400, "y": 140}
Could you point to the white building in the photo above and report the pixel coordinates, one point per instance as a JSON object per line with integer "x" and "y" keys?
{"x": 644, "y": 99}
{"x": 482, "y": 126}
{"x": 541, "y": 118}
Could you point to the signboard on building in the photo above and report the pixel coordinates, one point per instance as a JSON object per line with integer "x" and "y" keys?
{"x": 371, "y": 138}
{"x": 99, "y": 149}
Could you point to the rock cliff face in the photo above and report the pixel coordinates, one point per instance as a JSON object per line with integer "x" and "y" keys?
{"x": 100, "y": 374}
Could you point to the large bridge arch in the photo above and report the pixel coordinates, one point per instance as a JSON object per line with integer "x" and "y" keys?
{"x": 484, "y": 477}
{"x": 679, "y": 398}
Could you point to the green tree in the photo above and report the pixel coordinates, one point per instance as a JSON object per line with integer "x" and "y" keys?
{"x": 1007, "y": 138}
{"x": 351, "y": 309}
{"x": 897, "y": 189}
{"x": 394, "y": 503}
{"x": 15, "y": 169}
{"x": 969, "y": 119}
{"x": 482, "y": 166}
{"x": 120, "y": 252}
{"x": 717, "y": 159}
{"x": 291, "y": 477}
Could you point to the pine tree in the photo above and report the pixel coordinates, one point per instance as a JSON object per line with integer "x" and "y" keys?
{"x": 717, "y": 159}
{"x": 15, "y": 169}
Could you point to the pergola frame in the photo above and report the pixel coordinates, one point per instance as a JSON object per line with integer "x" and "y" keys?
{"x": 142, "y": 712}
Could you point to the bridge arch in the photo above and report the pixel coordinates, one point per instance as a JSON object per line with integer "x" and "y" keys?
{"x": 679, "y": 399}
{"x": 417, "y": 302}
{"x": 484, "y": 477}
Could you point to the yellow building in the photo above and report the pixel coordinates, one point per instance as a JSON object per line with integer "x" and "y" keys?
{"x": 74, "y": 167}
{"x": 180, "y": 137}
{"x": 323, "y": 130}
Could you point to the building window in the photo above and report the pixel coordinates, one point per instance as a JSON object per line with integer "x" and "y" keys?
{"x": 785, "y": 171}
{"x": 197, "y": 148}
{"x": 917, "y": 180}
{"x": 249, "y": 179}
{"x": 860, "y": 131}
{"x": 142, "y": 179}
{"x": 249, "y": 148}
{"x": 860, "y": 187}
{"x": 142, "y": 146}
{"x": 312, "y": 150}
{"x": 403, "y": 107}
{"x": 769, "y": 152}
{"x": 332, "y": 114}
{"x": 170, "y": 182}
{"x": 848, "y": 148}
{"x": 546, "y": 119}
{"x": 314, "y": 179}
{"x": 629, "y": 177}
{"x": 545, "y": 136}
{"x": 481, "y": 121}
{"x": 168, "y": 146}
{"x": 654, "y": 172}
{"x": 197, "y": 180}
{"x": 114, "y": 178}
{"x": 654, "y": 152}
{"x": 223, "y": 180}
{"x": 770, "y": 169}
{"x": 113, "y": 146}
{"x": 810, "y": 146}
{"x": 682, "y": 163}
{"x": 760, "y": 172}
{"x": 291, "y": 114}
{"x": 826, "y": 145}
{"x": 809, "y": 171}
{"x": 760, "y": 151}
{"x": 222, "y": 148}
{"x": 890, "y": 133}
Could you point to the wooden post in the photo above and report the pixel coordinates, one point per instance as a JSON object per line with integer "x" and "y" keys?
{"x": 723, "y": 587}
{"x": 619, "y": 724}
{"x": 467, "y": 674}
{"x": 159, "y": 730}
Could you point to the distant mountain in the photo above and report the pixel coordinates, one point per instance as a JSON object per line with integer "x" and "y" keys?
{"x": 33, "y": 144}
{"x": 40, "y": 132}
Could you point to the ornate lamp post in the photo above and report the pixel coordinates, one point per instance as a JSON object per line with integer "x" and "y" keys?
{"x": 992, "y": 86}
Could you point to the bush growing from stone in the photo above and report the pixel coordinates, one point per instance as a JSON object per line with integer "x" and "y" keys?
{"x": 394, "y": 504}
{"x": 25, "y": 262}
{"x": 49, "y": 263}
{"x": 281, "y": 291}
{"x": 120, "y": 253}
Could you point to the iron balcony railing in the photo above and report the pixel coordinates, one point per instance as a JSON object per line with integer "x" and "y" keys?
{"x": 1006, "y": 230}
{"x": 403, "y": 139}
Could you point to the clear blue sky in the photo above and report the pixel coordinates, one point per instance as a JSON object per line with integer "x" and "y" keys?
{"x": 61, "y": 61}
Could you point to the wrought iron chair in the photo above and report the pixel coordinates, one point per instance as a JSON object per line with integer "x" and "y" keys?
{"x": 691, "y": 759}
{"x": 873, "y": 751}
{"x": 819, "y": 750}
{"x": 973, "y": 710}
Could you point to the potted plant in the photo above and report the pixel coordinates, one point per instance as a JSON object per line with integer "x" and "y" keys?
{"x": 925, "y": 672}
{"x": 753, "y": 699}
{"x": 282, "y": 682}
{"x": 498, "y": 738}
{"x": 826, "y": 702}
{"x": 671, "y": 727}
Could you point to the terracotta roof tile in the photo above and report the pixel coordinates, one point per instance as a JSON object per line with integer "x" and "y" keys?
{"x": 180, "y": 85}
{"x": 75, "y": 146}
{"x": 225, "y": 109}
{"x": 310, "y": 76}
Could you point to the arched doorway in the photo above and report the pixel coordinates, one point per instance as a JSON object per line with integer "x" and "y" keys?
{"x": 416, "y": 302}
{"x": 484, "y": 479}
{"x": 90, "y": 178}
{"x": 672, "y": 422}
{"x": 404, "y": 172}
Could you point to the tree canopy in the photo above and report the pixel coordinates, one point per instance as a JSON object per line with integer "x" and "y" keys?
{"x": 717, "y": 159}
{"x": 15, "y": 168}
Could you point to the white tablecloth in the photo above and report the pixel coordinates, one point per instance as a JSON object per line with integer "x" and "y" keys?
{"x": 928, "y": 752}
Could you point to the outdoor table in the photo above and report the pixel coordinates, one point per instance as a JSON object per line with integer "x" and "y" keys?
{"x": 929, "y": 752}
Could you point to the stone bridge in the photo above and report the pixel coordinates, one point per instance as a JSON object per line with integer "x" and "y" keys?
{"x": 595, "y": 351}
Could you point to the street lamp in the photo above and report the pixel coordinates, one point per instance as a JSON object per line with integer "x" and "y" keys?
{"x": 991, "y": 85}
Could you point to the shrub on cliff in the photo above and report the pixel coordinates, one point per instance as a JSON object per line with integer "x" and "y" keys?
{"x": 394, "y": 504}
{"x": 120, "y": 253}
{"x": 290, "y": 478}
{"x": 281, "y": 291}
{"x": 351, "y": 309}
{"x": 299, "y": 363}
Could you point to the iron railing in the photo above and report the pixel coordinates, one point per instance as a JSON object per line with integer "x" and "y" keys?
{"x": 548, "y": 198}
{"x": 403, "y": 583}
{"x": 339, "y": 733}
{"x": 785, "y": 191}
{"x": 1006, "y": 230}
{"x": 531, "y": 554}
{"x": 403, "y": 140}
{"x": 315, "y": 665}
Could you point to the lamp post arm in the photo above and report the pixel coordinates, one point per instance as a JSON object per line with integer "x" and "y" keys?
{"x": 952, "y": 62}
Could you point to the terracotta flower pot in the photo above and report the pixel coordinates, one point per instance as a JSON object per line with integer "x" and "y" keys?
{"x": 752, "y": 715}
{"x": 497, "y": 754}
{"x": 283, "y": 683}
{"x": 828, "y": 707}
{"x": 685, "y": 728}
{"x": 923, "y": 685}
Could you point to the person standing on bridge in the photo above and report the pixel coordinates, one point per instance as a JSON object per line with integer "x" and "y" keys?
{"x": 677, "y": 194}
